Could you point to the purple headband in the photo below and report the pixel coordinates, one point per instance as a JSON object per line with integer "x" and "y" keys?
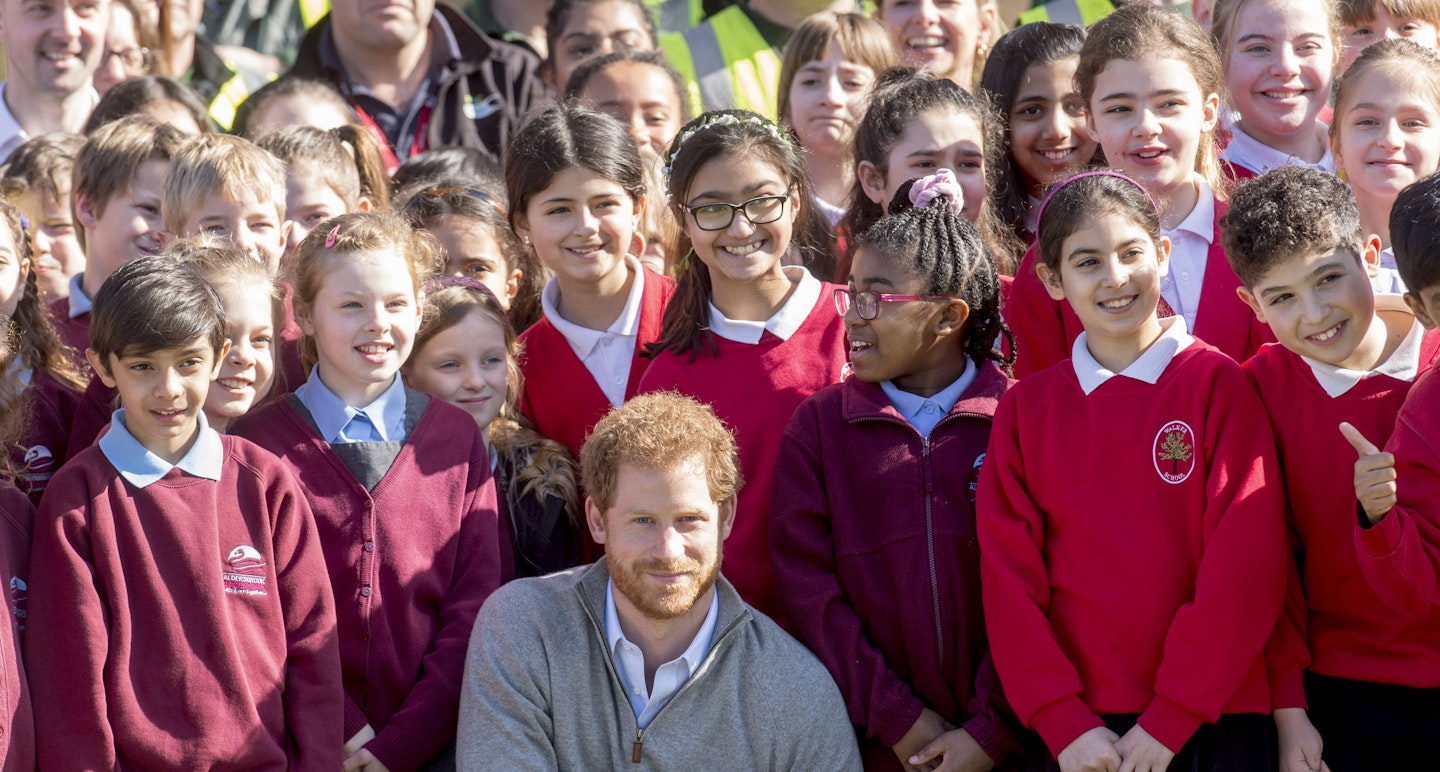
{"x": 1097, "y": 173}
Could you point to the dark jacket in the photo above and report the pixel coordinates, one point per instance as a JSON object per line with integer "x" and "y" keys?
{"x": 494, "y": 81}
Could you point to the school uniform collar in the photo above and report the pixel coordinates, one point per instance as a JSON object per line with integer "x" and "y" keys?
{"x": 912, "y": 405}
{"x": 1173, "y": 339}
{"x": 1244, "y": 150}
{"x": 584, "y": 339}
{"x": 80, "y": 303}
{"x": 331, "y": 414}
{"x": 1201, "y": 220}
{"x": 1402, "y": 365}
{"x": 783, "y": 323}
{"x": 141, "y": 468}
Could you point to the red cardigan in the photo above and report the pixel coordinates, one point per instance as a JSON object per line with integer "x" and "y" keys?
{"x": 160, "y": 640}
{"x": 410, "y": 563}
{"x": 1338, "y": 625}
{"x": 17, "y": 722}
{"x": 1132, "y": 547}
{"x": 1045, "y": 328}
{"x": 561, "y": 397}
{"x": 755, "y": 389}
{"x": 877, "y": 567}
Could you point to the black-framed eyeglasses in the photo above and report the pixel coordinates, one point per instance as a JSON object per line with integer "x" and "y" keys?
{"x": 867, "y": 304}
{"x": 758, "y": 210}
{"x": 134, "y": 59}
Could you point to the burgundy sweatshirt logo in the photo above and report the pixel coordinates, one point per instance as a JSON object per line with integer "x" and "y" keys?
{"x": 246, "y": 574}
{"x": 1175, "y": 452}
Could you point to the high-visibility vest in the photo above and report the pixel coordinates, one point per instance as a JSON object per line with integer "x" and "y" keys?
{"x": 312, "y": 11}
{"x": 676, "y": 15}
{"x": 725, "y": 62}
{"x": 1081, "y": 13}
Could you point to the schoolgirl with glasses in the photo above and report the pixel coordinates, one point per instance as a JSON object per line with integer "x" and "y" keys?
{"x": 751, "y": 331}
{"x": 873, "y": 527}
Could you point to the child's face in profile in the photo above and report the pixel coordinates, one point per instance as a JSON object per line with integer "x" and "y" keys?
{"x": 1383, "y": 27}
{"x": 466, "y": 365}
{"x": 1110, "y": 274}
{"x": 56, "y": 251}
{"x": 248, "y": 223}
{"x": 247, "y": 371}
{"x": 1321, "y": 306}
{"x": 162, "y": 392}
{"x": 899, "y": 344}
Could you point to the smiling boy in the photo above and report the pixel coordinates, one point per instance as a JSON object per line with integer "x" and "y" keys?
{"x": 230, "y": 188}
{"x": 168, "y": 555}
{"x": 1294, "y": 238}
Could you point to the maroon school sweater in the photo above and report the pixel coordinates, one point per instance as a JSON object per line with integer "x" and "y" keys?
{"x": 92, "y": 414}
{"x": 1400, "y": 555}
{"x": 561, "y": 397}
{"x": 877, "y": 566}
{"x": 75, "y": 333}
{"x": 1046, "y": 328}
{"x": 1337, "y": 622}
{"x": 1132, "y": 547}
{"x": 410, "y": 563}
{"x": 17, "y": 725}
{"x": 755, "y": 389}
{"x": 50, "y": 408}
{"x": 185, "y": 625}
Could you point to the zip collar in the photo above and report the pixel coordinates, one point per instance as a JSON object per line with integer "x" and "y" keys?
{"x": 863, "y": 401}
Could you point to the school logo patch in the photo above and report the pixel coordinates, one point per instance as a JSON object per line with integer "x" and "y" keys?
{"x": 1174, "y": 452}
{"x": 246, "y": 571}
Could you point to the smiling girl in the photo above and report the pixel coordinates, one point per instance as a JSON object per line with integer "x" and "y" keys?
{"x": 1386, "y": 135}
{"x": 750, "y": 331}
{"x": 1151, "y": 81}
{"x": 1280, "y": 58}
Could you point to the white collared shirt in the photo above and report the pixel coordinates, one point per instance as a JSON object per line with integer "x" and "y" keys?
{"x": 1174, "y": 338}
{"x": 924, "y": 413}
{"x": 141, "y": 468}
{"x": 1402, "y": 365}
{"x": 607, "y": 354}
{"x": 12, "y": 134}
{"x": 1244, "y": 150}
{"x": 669, "y": 677}
{"x": 784, "y": 322}
{"x": 1189, "y": 254}
{"x": 1387, "y": 277}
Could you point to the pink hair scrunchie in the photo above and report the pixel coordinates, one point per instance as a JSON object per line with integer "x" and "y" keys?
{"x": 941, "y": 183}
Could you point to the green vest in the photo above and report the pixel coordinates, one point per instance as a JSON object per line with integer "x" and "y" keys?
{"x": 726, "y": 62}
{"x": 1081, "y": 13}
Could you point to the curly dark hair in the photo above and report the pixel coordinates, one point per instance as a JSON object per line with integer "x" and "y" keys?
{"x": 1293, "y": 211}
{"x": 1414, "y": 229}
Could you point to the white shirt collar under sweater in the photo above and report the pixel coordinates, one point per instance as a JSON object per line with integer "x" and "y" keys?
{"x": 783, "y": 323}
{"x": 1244, "y": 150}
{"x": 607, "y": 354}
{"x": 1174, "y": 338}
{"x": 1403, "y": 364}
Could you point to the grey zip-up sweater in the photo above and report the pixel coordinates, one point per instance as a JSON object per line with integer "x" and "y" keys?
{"x": 541, "y": 692}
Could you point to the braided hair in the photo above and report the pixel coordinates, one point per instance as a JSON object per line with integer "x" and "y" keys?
{"x": 944, "y": 247}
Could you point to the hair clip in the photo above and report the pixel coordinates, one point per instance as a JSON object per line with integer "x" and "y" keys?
{"x": 941, "y": 183}
{"x": 333, "y": 235}
{"x": 24, "y": 223}
{"x": 1040, "y": 213}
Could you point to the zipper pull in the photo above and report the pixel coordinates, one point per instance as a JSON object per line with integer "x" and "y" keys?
{"x": 635, "y": 748}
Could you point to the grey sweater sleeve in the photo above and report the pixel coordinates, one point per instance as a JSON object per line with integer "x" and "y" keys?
{"x": 824, "y": 738}
{"x": 505, "y": 714}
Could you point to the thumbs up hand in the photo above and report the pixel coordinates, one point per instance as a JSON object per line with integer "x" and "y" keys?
{"x": 1374, "y": 475}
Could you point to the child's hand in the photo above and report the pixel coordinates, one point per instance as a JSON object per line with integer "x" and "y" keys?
{"x": 956, "y": 751}
{"x": 1093, "y": 751}
{"x": 1142, "y": 753}
{"x": 926, "y": 729}
{"x": 364, "y": 761}
{"x": 1374, "y": 475}
{"x": 365, "y": 735}
{"x": 1300, "y": 744}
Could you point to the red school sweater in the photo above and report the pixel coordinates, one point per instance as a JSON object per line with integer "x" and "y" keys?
{"x": 17, "y": 724}
{"x": 561, "y": 397}
{"x": 50, "y": 408}
{"x": 188, "y": 624}
{"x": 1400, "y": 555}
{"x": 755, "y": 389}
{"x": 410, "y": 563}
{"x": 1045, "y": 328}
{"x": 877, "y": 566}
{"x": 1132, "y": 548}
{"x": 1337, "y": 623}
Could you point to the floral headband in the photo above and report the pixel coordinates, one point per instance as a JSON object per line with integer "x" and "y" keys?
{"x": 717, "y": 119}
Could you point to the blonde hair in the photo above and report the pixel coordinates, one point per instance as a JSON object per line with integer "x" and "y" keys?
{"x": 219, "y": 163}
{"x": 659, "y": 431}
{"x": 356, "y": 233}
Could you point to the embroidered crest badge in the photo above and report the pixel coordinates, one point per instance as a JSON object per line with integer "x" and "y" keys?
{"x": 245, "y": 574}
{"x": 1174, "y": 452}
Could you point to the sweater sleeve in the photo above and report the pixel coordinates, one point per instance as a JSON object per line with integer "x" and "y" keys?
{"x": 987, "y": 709}
{"x": 880, "y": 702}
{"x": 1287, "y": 654}
{"x": 1041, "y": 682}
{"x": 1035, "y": 319}
{"x": 313, "y": 696}
{"x": 426, "y": 720}
{"x": 505, "y": 718}
{"x": 1400, "y": 554}
{"x": 811, "y": 725}
{"x": 67, "y": 635}
{"x": 1217, "y": 637}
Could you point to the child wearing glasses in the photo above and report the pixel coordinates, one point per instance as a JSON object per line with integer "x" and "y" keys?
{"x": 875, "y": 555}
{"x": 1131, "y": 520}
{"x": 749, "y": 331}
